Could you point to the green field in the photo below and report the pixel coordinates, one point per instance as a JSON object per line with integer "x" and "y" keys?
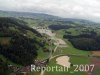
{"x": 73, "y": 60}
{"x": 97, "y": 72}
{"x": 69, "y": 50}
{"x": 42, "y": 55}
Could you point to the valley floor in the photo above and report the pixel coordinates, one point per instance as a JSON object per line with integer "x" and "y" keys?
{"x": 63, "y": 48}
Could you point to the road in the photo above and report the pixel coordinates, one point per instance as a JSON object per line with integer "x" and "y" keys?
{"x": 58, "y": 42}
{"x": 50, "y": 57}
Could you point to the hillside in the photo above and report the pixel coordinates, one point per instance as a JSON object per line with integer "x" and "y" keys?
{"x": 40, "y": 16}
{"x": 88, "y": 41}
{"x": 18, "y": 42}
{"x": 48, "y": 18}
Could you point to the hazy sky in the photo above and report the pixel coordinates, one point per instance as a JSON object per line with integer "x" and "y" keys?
{"x": 86, "y": 9}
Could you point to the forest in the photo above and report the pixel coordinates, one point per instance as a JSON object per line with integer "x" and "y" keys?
{"x": 89, "y": 41}
{"x": 16, "y": 42}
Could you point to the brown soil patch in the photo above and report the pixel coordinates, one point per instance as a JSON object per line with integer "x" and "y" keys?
{"x": 96, "y": 53}
{"x": 63, "y": 61}
{"x": 4, "y": 41}
{"x": 96, "y": 62}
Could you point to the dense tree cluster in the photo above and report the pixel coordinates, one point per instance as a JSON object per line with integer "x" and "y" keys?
{"x": 58, "y": 27}
{"x": 21, "y": 49}
{"x": 88, "y": 41}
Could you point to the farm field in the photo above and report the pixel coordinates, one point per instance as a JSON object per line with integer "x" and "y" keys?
{"x": 96, "y": 53}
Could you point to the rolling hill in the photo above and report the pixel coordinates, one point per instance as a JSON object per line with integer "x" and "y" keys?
{"x": 47, "y": 17}
{"x": 18, "y": 42}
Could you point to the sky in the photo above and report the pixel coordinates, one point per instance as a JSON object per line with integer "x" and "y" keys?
{"x": 83, "y": 9}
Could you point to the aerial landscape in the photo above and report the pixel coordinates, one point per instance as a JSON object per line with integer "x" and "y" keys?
{"x": 49, "y": 37}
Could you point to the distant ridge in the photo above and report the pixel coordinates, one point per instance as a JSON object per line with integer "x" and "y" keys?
{"x": 27, "y": 15}
{"x": 42, "y": 16}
